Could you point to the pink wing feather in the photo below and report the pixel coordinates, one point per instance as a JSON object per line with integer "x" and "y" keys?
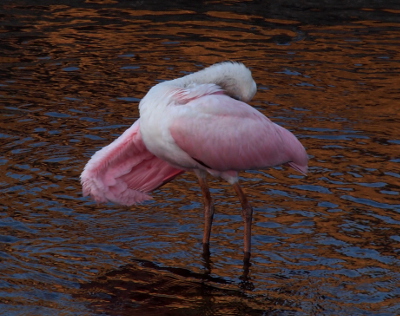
{"x": 226, "y": 134}
{"x": 125, "y": 171}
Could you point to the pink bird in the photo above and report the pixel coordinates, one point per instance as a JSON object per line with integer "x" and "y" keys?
{"x": 199, "y": 122}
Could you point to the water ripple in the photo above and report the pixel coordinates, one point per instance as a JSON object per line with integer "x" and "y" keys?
{"x": 325, "y": 244}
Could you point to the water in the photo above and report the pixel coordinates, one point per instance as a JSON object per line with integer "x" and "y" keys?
{"x": 71, "y": 76}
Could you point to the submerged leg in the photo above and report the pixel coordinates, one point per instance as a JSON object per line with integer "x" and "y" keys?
{"x": 247, "y": 214}
{"x": 208, "y": 210}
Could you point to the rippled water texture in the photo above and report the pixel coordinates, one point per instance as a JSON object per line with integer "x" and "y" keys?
{"x": 71, "y": 77}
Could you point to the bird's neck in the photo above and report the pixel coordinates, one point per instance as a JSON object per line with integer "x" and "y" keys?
{"x": 205, "y": 76}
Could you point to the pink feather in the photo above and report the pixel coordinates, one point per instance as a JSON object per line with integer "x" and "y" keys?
{"x": 125, "y": 171}
{"x": 229, "y": 135}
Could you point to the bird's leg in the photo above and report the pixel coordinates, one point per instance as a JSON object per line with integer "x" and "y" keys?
{"x": 208, "y": 210}
{"x": 247, "y": 214}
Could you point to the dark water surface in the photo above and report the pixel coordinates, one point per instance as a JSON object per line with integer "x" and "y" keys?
{"x": 71, "y": 76}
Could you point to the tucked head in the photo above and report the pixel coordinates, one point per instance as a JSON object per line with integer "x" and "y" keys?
{"x": 233, "y": 77}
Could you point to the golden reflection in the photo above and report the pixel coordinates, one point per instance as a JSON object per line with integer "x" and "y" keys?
{"x": 320, "y": 240}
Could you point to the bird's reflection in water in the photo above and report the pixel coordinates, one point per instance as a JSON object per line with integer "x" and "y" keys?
{"x": 245, "y": 283}
{"x": 145, "y": 288}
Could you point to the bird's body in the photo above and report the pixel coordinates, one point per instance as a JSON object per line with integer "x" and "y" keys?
{"x": 192, "y": 123}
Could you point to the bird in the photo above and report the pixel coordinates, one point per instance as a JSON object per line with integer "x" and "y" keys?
{"x": 200, "y": 122}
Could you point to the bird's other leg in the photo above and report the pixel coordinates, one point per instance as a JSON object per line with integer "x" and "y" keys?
{"x": 208, "y": 211}
{"x": 247, "y": 214}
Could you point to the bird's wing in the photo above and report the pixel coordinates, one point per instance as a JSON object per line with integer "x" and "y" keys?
{"x": 224, "y": 134}
{"x": 124, "y": 171}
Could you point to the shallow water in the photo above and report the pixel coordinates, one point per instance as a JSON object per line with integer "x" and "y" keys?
{"x": 71, "y": 77}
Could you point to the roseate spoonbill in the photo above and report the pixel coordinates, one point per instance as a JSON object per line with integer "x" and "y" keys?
{"x": 199, "y": 122}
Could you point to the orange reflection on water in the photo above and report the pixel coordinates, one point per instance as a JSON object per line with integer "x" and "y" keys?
{"x": 325, "y": 242}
